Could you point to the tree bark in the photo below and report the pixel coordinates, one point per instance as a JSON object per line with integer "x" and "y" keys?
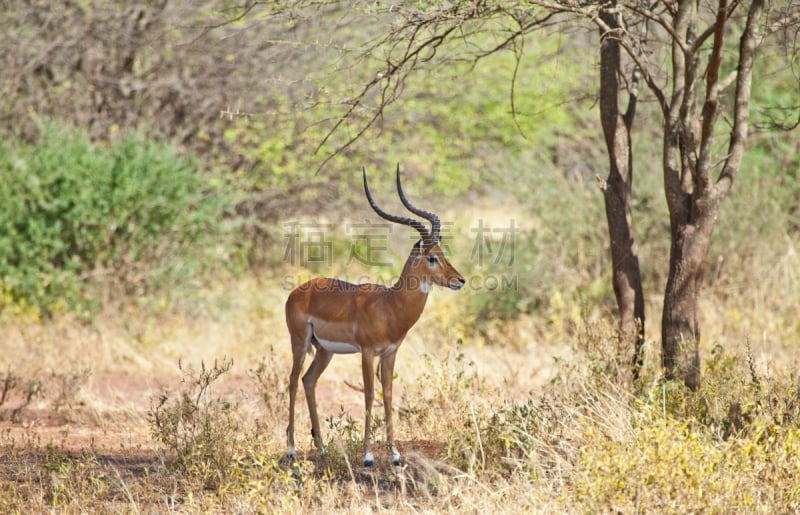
{"x": 680, "y": 330}
{"x": 617, "y": 189}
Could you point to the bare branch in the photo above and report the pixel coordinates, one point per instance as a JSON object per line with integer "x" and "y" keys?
{"x": 774, "y": 123}
{"x": 703, "y": 37}
{"x": 591, "y": 12}
{"x": 392, "y": 79}
{"x": 518, "y": 49}
{"x": 525, "y": 28}
{"x": 747, "y": 49}
{"x": 710, "y": 107}
{"x": 665, "y": 23}
{"x": 444, "y": 25}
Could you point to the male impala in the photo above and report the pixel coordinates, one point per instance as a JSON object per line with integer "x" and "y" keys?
{"x": 338, "y": 317}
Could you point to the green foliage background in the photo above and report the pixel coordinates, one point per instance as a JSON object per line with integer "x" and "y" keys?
{"x": 124, "y": 213}
{"x": 81, "y": 220}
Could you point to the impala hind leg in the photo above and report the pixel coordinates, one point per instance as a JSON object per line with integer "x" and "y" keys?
{"x": 299, "y": 348}
{"x": 320, "y": 363}
{"x": 386, "y": 376}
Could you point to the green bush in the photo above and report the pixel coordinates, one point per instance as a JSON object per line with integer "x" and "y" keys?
{"x": 80, "y": 220}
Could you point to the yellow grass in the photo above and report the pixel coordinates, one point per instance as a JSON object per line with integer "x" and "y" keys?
{"x": 531, "y": 415}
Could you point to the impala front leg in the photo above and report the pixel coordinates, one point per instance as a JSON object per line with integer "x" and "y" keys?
{"x": 387, "y": 374}
{"x": 367, "y": 368}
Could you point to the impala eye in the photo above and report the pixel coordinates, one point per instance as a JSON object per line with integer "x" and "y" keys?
{"x": 432, "y": 260}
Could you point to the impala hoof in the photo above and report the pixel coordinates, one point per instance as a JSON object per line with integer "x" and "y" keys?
{"x": 369, "y": 460}
{"x": 323, "y": 451}
{"x": 291, "y": 455}
{"x": 396, "y": 459}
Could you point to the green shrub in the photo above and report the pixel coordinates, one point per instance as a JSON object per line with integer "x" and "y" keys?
{"x": 80, "y": 219}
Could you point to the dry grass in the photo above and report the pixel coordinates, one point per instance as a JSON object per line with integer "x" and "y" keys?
{"x": 540, "y": 423}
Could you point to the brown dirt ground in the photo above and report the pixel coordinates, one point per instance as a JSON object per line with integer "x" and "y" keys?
{"x": 111, "y": 426}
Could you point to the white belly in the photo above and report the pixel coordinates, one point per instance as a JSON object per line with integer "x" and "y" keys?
{"x": 386, "y": 350}
{"x": 338, "y": 347}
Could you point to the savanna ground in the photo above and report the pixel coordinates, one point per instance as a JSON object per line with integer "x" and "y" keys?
{"x": 185, "y": 411}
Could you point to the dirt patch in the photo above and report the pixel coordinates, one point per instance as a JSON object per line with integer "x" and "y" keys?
{"x": 109, "y": 419}
{"x": 106, "y": 418}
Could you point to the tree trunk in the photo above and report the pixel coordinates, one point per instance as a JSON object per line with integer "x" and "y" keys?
{"x": 617, "y": 188}
{"x": 680, "y": 330}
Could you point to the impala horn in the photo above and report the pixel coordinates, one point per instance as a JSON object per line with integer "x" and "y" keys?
{"x": 432, "y": 218}
{"x": 416, "y": 224}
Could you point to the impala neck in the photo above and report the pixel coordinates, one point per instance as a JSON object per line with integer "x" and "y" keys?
{"x": 410, "y": 292}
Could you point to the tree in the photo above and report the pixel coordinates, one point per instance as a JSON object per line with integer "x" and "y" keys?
{"x": 690, "y": 153}
{"x": 617, "y": 189}
{"x": 693, "y": 198}
{"x": 682, "y": 50}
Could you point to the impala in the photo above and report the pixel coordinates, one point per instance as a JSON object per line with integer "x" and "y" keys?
{"x": 337, "y": 317}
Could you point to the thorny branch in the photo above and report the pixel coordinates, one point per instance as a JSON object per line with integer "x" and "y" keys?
{"x": 421, "y": 33}
{"x": 418, "y": 37}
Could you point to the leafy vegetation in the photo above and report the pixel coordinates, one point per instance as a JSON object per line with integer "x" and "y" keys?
{"x": 81, "y": 222}
{"x": 196, "y": 430}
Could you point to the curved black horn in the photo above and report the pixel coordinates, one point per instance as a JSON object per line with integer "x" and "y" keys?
{"x": 432, "y": 218}
{"x": 416, "y": 224}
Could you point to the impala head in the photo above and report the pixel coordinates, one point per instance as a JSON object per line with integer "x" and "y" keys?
{"x": 427, "y": 263}
{"x": 428, "y": 266}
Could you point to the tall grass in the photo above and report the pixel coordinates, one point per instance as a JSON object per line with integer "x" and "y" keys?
{"x": 473, "y": 437}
